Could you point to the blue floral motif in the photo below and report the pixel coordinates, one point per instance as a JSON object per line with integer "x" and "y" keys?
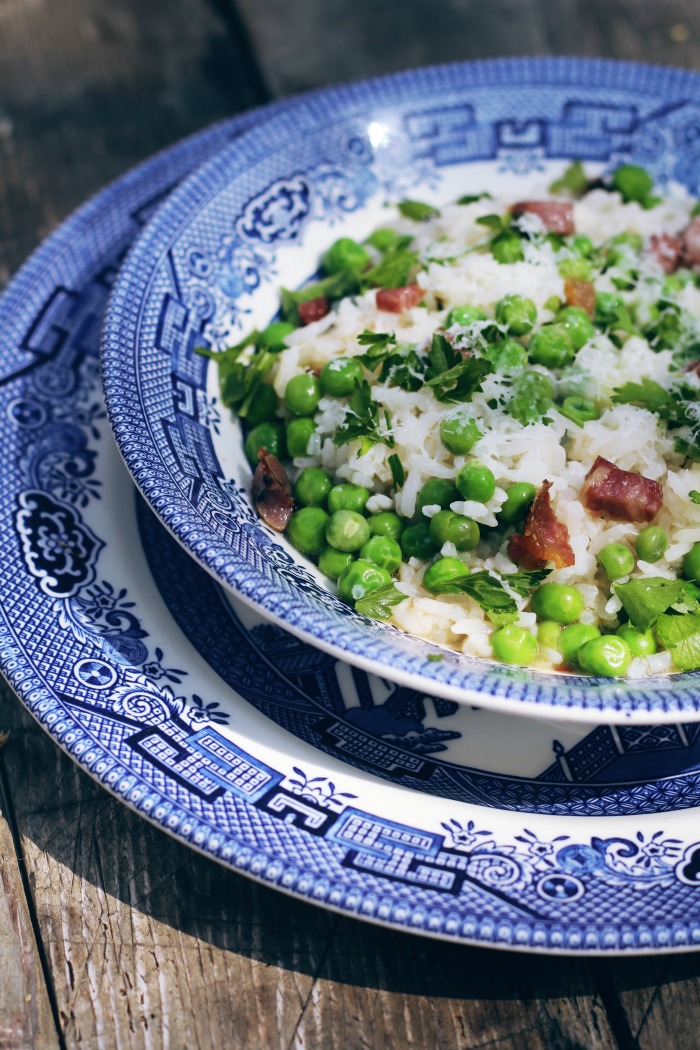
{"x": 59, "y": 549}
{"x": 320, "y": 790}
{"x": 276, "y": 215}
{"x": 338, "y": 192}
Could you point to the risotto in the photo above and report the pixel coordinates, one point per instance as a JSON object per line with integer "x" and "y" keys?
{"x": 482, "y": 424}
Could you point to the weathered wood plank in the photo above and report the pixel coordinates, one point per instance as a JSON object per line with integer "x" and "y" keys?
{"x": 661, "y": 999}
{"x": 25, "y": 1012}
{"x": 89, "y": 88}
{"x": 317, "y": 42}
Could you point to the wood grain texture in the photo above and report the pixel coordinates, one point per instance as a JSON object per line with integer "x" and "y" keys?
{"x": 313, "y": 42}
{"x": 25, "y": 1011}
{"x": 89, "y": 88}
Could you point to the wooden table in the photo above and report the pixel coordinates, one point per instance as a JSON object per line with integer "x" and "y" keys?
{"x": 112, "y": 934}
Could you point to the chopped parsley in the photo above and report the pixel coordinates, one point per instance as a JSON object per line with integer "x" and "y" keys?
{"x": 335, "y": 286}
{"x": 379, "y": 344}
{"x": 240, "y": 381}
{"x": 452, "y": 377}
{"x": 378, "y": 604}
{"x": 680, "y": 634}
{"x": 493, "y": 595}
{"x": 645, "y": 600}
{"x": 574, "y": 181}
{"x": 418, "y": 211}
{"x": 395, "y": 270}
{"x": 472, "y": 198}
{"x": 362, "y": 422}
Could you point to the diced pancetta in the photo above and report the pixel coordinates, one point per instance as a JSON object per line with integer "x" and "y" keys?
{"x": 580, "y": 293}
{"x": 272, "y": 491}
{"x": 557, "y": 216}
{"x": 313, "y": 310}
{"x": 620, "y": 494}
{"x": 544, "y": 537}
{"x": 668, "y": 251}
{"x": 691, "y": 242}
{"x": 396, "y": 300}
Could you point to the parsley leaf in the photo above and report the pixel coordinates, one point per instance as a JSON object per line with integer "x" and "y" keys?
{"x": 472, "y": 198}
{"x": 418, "y": 211}
{"x": 493, "y": 222}
{"x": 380, "y": 346}
{"x": 694, "y": 496}
{"x": 378, "y": 604}
{"x": 573, "y": 182}
{"x": 646, "y": 394}
{"x": 405, "y": 370}
{"x": 362, "y": 421}
{"x": 492, "y": 596}
{"x": 394, "y": 271}
{"x": 240, "y": 382}
{"x": 452, "y": 377}
{"x": 681, "y": 634}
{"x": 645, "y": 600}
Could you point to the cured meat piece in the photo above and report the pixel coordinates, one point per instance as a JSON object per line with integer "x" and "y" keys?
{"x": 396, "y": 300}
{"x": 691, "y": 243}
{"x": 544, "y": 537}
{"x": 313, "y": 310}
{"x": 580, "y": 293}
{"x": 667, "y": 250}
{"x": 557, "y": 216}
{"x": 272, "y": 491}
{"x": 620, "y": 493}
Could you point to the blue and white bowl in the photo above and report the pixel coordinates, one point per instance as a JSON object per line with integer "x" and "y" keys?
{"x": 257, "y": 217}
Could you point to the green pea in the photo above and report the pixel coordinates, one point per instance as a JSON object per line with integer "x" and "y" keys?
{"x": 265, "y": 435}
{"x": 312, "y": 487}
{"x": 611, "y": 312}
{"x": 577, "y": 269}
{"x": 506, "y": 247}
{"x": 616, "y": 560}
{"x": 651, "y": 543}
{"x": 273, "y": 337}
{"x": 381, "y": 550}
{"x": 438, "y": 492}
{"x": 578, "y": 324}
{"x": 582, "y": 245}
{"x": 641, "y": 643}
{"x": 333, "y": 563}
{"x": 549, "y": 634}
{"x": 465, "y": 315}
{"x": 579, "y": 409}
{"x": 556, "y": 601}
{"x": 263, "y": 407}
{"x": 345, "y": 254}
{"x": 691, "y": 564}
{"x": 448, "y": 527}
{"x": 386, "y": 523}
{"x": 633, "y": 183}
{"x": 533, "y": 394}
{"x": 573, "y": 637}
{"x": 302, "y": 394}
{"x": 306, "y": 530}
{"x": 347, "y": 531}
{"x": 299, "y": 433}
{"x": 517, "y": 502}
{"x": 442, "y": 576}
{"x": 360, "y": 579}
{"x": 608, "y": 656}
{"x": 340, "y": 376}
{"x": 552, "y": 346}
{"x": 514, "y": 645}
{"x": 507, "y": 356}
{"x": 476, "y": 482}
{"x": 347, "y": 497}
{"x": 459, "y": 431}
{"x": 518, "y": 313}
{"x": 416, "y": 542}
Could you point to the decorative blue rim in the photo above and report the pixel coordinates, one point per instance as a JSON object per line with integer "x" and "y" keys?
{"x": 584, "y": 109}
{"x": 85, "y": 666}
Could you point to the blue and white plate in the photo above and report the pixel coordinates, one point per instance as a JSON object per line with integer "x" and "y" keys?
{"x": 209, "y": 266}
{"x": 260, "y": 751}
